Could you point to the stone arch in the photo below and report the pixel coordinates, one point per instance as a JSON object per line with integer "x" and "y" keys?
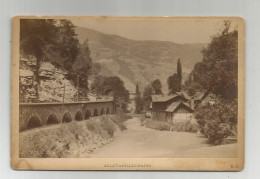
{"x": 95, "y": 112}
{"x": 52, "y": 119}
{"x": 66, "y": 118}
{"x": 33, "y": 123}
{"x": 102, "y": 111}
{"x": 108, "y": 111}
{"x": 87, "y": 114}
{"x": 78, "y": 116}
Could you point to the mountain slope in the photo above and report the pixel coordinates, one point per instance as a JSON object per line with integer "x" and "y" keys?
{"x": 139, "y": 61}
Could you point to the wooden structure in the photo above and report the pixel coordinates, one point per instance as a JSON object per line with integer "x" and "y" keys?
{"x": 171, "y": 108}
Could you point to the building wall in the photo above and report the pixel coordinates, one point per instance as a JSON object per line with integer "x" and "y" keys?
{"x": 181, "y": 117}
{"x": 173, "y": 118}
{"x": 159, "y": 115}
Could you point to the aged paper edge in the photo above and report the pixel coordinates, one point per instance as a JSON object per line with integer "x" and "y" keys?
{"x": 180, "y": 164}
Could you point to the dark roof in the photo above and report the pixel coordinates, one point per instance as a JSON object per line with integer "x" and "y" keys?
{"x": 174, "y": 106}
{"x": 162, "y": 98}
{"x": 200, "y": 95}
{"x": 197, "y": 96}
{"x": 184, "y": 94}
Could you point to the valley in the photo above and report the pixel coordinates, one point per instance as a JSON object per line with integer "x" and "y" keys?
{"x": 139, "y": 61}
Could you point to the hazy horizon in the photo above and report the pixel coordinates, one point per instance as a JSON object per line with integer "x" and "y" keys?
{"x": 177, "y": 31}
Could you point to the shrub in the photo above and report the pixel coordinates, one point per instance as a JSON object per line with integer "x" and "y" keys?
{"x": 191, "y": 126}
{"x": 217, "y": 121}
{"x": 91, "y": 125}
{"x": 108, "y": 126}
{"x": 120, "y": 124}
{"x": 188, "y": 126}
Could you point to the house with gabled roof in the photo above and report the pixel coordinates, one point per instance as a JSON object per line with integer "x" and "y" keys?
{"x": 179, "y": 112}
{"x": 171, "y": 108}
{"x": 178, "y": 107}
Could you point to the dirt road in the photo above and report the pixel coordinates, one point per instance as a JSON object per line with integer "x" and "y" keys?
{"x": 138, "y": 141}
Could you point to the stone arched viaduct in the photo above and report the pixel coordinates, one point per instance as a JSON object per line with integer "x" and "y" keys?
{"x": 41, "y": 114}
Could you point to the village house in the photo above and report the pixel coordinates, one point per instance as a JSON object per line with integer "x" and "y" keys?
{"x": 171, "y": 108}
{"x": 178, "y": 108}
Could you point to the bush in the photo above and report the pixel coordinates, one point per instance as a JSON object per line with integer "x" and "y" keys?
{"x": 91, "y": 125}
{"x": 119, "y": 120}
{"x": 188, "y": 126}
{"x": 108, "y": 126}
{"x": 191, "y": 126}
{"x": 217, "y": 121}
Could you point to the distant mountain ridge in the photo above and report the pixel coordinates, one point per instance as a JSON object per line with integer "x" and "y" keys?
{"x": 139, "y": 61}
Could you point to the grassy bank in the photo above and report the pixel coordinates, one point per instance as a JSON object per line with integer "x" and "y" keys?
{"x": 188, "y": 126}
{"x": 76, "y": 139}
{"x": 157, "y": 125}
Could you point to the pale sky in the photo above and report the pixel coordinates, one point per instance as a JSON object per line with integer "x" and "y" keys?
{"x": 174, "y": 30}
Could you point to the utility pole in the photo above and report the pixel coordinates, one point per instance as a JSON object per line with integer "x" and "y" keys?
{"x": 63, "y": 98}
{"x": 63, "y": 95}
{"x": 78, "y": 87}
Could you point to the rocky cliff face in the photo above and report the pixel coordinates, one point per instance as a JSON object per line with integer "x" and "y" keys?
{"x": 27, "y": 81}
{"x": 52, "y": 82}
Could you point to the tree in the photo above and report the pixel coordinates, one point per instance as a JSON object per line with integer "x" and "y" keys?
{"x": 112, "y": 86}
{"x": 173, "y": 83}
{"x": 137, "y": 92}
{"x": 217, "y": 121}
{"x": 49, "y": 40}
{"x": 199, "y": 71}
{"x": 97, "y": 85}
{"x": 179, "y": 73}
{"x": 147, "y": 96}
{"x": 82, "y": 67}
{"x": 95, "y": 69}
{"x": 218, "y": 70}
{"x": 138, "y": 100}
{"x": 191, "y": 91}
{"x": 157, "y": 86}
{"x": 68, "y": 42}
{"x": 192, "y": 87}
{"x": 34, "y": 35}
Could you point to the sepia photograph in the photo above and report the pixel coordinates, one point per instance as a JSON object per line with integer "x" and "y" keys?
{"x": 128, "y": 93}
